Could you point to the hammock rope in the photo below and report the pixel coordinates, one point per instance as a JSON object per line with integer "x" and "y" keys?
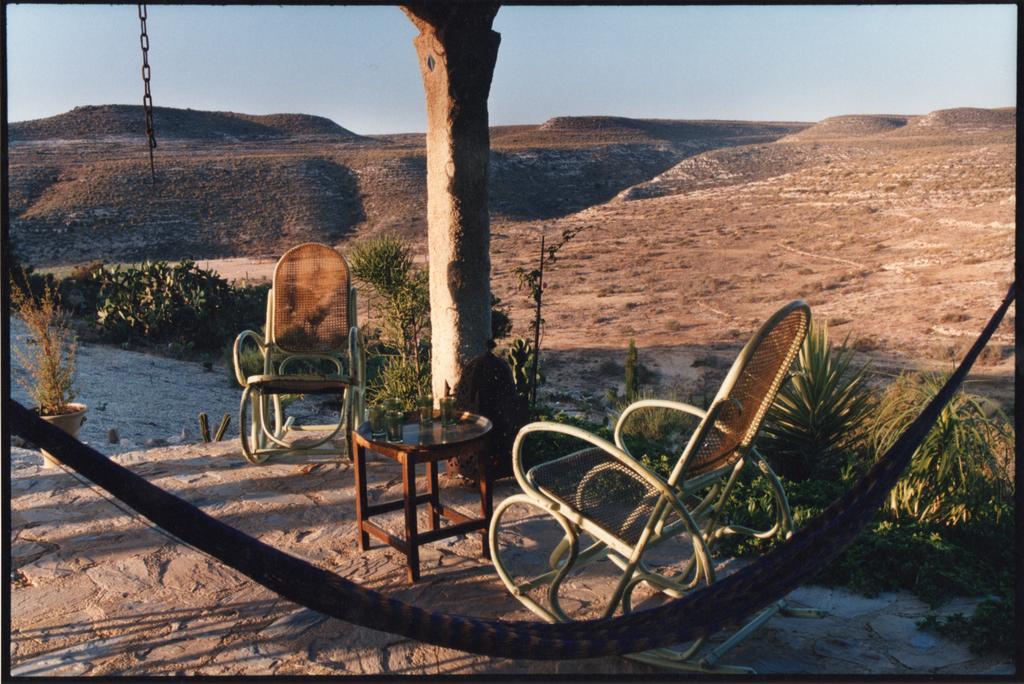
{"x": 700, "y": 613}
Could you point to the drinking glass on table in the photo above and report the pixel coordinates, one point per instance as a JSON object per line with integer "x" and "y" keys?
{"x": 393, "y": 419}
{"x": 425, "y": 409}
{"x": 447, "y": 405}
{"x": 376, "y": 418}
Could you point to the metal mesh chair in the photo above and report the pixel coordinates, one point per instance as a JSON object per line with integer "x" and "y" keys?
{"x": 602, "y": 491}
{"x": 311, "y": 319}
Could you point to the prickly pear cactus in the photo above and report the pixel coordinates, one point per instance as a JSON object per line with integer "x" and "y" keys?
{"x": 520, "y": 360}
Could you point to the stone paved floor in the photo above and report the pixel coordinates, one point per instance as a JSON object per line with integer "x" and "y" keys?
{"x": 98, "y": 591}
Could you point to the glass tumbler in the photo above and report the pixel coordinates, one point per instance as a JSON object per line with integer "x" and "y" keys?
{"x": 447, "y": 405}
{"x": 393, "y": 419}
{"x": 425, "y": 409}
{"x": 376, "y": 417}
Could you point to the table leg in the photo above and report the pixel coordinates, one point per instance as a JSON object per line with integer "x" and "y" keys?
{"x": 486, "y": 499}
{"x": 435, "y": 501}
{"x": 351, "y": 421}
{"x": 411, "y": 541}
{"x": 359, "y": 453}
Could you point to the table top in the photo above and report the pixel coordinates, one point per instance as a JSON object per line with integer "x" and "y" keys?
{"x": 468, "y": 428}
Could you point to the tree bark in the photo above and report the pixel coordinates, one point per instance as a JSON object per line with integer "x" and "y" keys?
{"x": 457, "y": 51}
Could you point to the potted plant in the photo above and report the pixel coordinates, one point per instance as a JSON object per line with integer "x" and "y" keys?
{"x": 49, "y": 358}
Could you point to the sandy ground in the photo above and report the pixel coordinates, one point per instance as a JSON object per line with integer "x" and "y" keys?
{"x": 98, "y": 591}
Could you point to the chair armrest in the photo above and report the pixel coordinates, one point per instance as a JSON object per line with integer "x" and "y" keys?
{"x": 652, "y": 403}
{"x": 236, "y": 352}
{"x": 671, "y": 496}
{"x": 604, "y": 445}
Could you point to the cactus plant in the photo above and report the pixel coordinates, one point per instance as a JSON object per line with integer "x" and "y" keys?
{"x": 632, "y": 378}
{"x": 520, "y": 357}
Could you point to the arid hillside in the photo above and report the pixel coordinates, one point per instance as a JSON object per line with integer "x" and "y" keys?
{"x": 897, "y": 229}
{"x": 235, "y": 184}
{"x": 900, "y": 236}
{"x": 179, "y": 124}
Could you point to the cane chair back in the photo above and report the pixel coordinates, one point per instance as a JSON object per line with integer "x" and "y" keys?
{"x": 750, "y": 388}
{"x": 311, "y": 312}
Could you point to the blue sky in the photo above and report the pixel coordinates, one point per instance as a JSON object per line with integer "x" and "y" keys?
{"x": 357, "y": 65}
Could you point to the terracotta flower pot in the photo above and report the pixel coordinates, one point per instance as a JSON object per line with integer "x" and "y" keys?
{"x": 69, "y": 422}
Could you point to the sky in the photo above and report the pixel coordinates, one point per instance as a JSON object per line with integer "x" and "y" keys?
{"x": 357, "y": 65}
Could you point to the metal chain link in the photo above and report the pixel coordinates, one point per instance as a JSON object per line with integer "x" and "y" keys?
{"x": 147, "y": 99}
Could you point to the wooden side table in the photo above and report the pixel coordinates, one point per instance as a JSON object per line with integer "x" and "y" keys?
{"x": 427, "y": 445}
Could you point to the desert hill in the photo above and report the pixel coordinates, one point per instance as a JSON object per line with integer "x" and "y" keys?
{"x": 963, "y": 120}
{"x": 903, "y": 242}
{"x": 236, "y": 184}
{"x": 172, "y": 123}
{"x": 897, "y": 229}
{"x": 665, "y": 129}
{"x": 851, "y": 125}
{"x": 833, "y": 140}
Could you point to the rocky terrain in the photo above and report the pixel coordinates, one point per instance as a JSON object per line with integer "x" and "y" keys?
{"x": 234, "y": 184}
{"x": 898, "y": 229}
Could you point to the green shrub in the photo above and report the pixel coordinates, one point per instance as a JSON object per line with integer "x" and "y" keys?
{"x": 961, "y": 470}
{"x": 383, "y": 262}
{"x": 750, "y": 504}
{"x": 816, "y": 421}
{"x": 933, "y": 561}
{"x": 990, "y": 629}
{"x": 180, "y": 304}
{"x": 654, "y": 436}
{"x": 400, "y": 379}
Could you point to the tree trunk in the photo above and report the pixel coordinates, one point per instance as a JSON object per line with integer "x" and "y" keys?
{"x": 457, "y": 50}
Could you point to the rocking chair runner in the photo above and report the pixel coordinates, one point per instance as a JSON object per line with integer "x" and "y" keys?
{"x": 604, "y": 491}
{"x": 311, "y": 317}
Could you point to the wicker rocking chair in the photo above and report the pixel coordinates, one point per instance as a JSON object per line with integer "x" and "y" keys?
{"x": 311, "y": 318}
{"x": 605, "y": 492}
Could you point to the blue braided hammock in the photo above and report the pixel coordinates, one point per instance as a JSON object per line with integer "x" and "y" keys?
{"x": 703, "y": 612}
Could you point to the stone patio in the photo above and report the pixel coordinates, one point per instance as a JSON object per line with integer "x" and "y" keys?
{"x": 97, "y": 590}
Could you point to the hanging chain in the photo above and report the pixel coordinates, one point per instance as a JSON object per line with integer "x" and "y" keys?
{"x": 147, "y": 99}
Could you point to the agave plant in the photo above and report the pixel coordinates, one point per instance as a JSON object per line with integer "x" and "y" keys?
{"x": 962, "y": 469}
{"x": 817, "y": 417}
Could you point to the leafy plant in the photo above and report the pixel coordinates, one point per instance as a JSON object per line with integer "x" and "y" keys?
{"x": 961, "y": 470}
{"x": 77, "y": 291}
{"x": 385, "y": 264}
{"x": 816, "y": 420}
{"x": 51, "y": 361}
{"x": 931, "y": 560}
{"x": 180, "y": 304}
{"x": 399, "y": 379}
{"x": 990, "y": 629}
